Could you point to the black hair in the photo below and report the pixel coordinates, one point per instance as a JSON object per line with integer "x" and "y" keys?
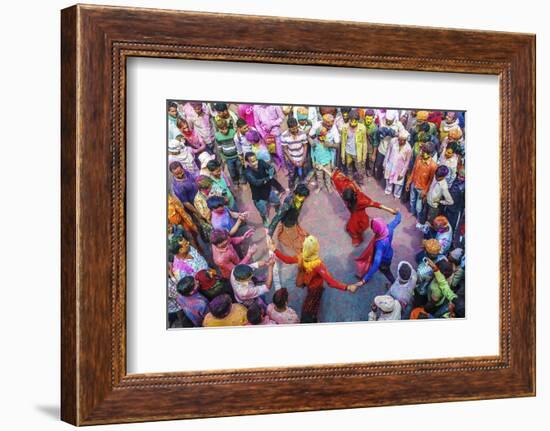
{"x": 248, "y": 155}
{"x": 453, "y": 146}
{"x": 460, "y": 306}
{"x": 220, "y": 107}
{"x": 405, "y": 272}
{"x": 174, "y": 165}
{"x": 280, "y": 298}
{"x": 302, "y": 190}
{"x": 345, "y": 109}
{"x": 254, "y": 314}
{"x": 172, "y": 105}
{"x": 349, "y": 196}
{"x": 353, "y": 115}
{"x": 214, "y": 202}
{"x": 291, "y": 122}
{"x": 445, "y": 267}
{"x": 241, "y": 122}
{"x": 220, "y": 306}
{"x": 212, "y": 165}
{"x": 242, "y": 272}
{"x": 186, "y": 285}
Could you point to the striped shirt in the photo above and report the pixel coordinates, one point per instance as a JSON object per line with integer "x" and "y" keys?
{"x": 295, "y": 145}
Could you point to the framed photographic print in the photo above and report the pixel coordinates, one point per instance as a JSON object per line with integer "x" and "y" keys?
{"x": 244, "y": 214}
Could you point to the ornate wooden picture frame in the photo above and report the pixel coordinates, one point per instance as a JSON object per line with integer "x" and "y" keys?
{"x": 96, "y": 41}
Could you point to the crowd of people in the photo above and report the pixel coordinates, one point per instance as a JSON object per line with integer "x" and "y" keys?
{"x": 279, "y": 156}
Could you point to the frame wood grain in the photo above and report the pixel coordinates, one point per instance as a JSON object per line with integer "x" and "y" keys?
{"x": 95, "y": 43}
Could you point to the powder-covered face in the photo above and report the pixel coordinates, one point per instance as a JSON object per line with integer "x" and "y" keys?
{"x": 449, "y": 153}
{"x": 425, "y": 155}
{"x": 369, "y": 120}
{"x": 253, "y": 162}
{"x": 184, "y": 247}
{"x": 197, "y": 109}
{"x": 217, "y": 173}
{"x": 353, "y": 123}
{"x": 345, "y": 116}
{"x": 219, "y": 210}
{"x": 302, "y": 122}
{"x": 179, "y": 173}
{"x": 243, "y": 129}
{"x": 299, "y": 199}
{"x": 172, "y": 111}
{"x": 328, "y": 124}
{"x": 184, "y": 127}
{"x": 294, "y": 130}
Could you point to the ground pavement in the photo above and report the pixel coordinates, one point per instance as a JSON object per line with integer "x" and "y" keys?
{"x": 324, "y": 216}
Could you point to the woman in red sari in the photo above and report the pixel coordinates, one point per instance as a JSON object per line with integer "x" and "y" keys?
{"x": 357, "y": 202}
{"x": 312, "y": 274}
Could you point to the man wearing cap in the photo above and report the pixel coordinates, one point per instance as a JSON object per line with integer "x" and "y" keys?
{"x": 396, "y": 164}
{"x": 386, "y": 133}
{"x": 385, "y": 308}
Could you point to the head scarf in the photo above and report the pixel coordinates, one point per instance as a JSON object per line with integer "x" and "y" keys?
{"x": 206, "y": 281}
{"x": 455, "y": 134}
{"x": 380, "y": 228}
{"x": 301, "y": 113}
{"x": 364, "y": 261}
{"x": 422, "y": 115}
{"x": 310, "y": 253}
{"x": 204, "y": 158}
{"x": 404, "y": 135}
{"x": 440, "y": 222}
{"x": 432, "y": 246}
{"x": 174, "y": 145}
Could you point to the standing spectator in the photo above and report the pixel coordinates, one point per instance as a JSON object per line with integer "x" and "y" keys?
{"x": 396, "y": 164}
{"x": 438, "y": 194}
{"x": 354, "y": 146}
{"x": 268, "y": 124}
{"x": 228, "y": 150}
{"x": 219, "y": 185}
{"x": 294, "y": 144}
{"x": 420, "y": 179}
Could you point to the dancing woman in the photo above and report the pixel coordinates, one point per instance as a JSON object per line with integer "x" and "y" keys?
{"x": 312, "y": 274}
{"x": 379, "y": 253}
{"x": 357, "y": 202}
